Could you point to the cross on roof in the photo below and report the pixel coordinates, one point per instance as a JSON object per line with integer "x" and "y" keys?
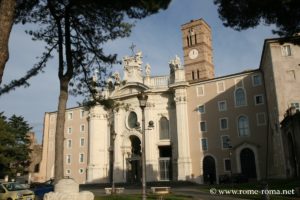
{"x": 132, "y": 48}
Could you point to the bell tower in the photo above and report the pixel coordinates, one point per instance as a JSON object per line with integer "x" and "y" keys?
{"x": 197, "y": 49}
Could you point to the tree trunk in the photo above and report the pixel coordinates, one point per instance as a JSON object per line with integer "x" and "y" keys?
{"x": 7, "y": 12}
{"x": 60, "y": 124}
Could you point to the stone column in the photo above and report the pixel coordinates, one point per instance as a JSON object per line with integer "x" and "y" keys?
{"x": 184, "y": 159}
{"x": 97, "y": 170}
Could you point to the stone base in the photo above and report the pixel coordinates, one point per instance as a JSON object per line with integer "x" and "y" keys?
{"x": 68, "y": 189}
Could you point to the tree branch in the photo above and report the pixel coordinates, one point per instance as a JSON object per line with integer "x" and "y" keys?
{"x": 30, "y": 73}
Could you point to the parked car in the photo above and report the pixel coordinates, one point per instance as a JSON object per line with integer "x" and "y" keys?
{"x": 40, "y": 189}
{"x": 15, "y": 191}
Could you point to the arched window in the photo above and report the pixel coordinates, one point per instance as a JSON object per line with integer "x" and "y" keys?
{"x": 191, "y": 41}
{"x": 188, "y": 40}
{"x": 198, "y": 74}
{"x": 164, "y": 128}
{"x": 193, "y": 75}
{"x": 243, "y": 126}
{"x": 240, "y": 97}
{"x": 36, "y": 168}
{"x": 132, "y": 119}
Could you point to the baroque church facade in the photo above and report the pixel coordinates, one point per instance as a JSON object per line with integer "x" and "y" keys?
{"x": 204, "y": 126}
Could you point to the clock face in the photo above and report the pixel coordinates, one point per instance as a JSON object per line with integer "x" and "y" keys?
{"x": 193, "y": 54}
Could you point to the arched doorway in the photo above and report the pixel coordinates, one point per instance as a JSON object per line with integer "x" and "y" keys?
{"x": 209, "y": 170}
{"x": 134, "y": 160}
{"x": 248, "y": 166}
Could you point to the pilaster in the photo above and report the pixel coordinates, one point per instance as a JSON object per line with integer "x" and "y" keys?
{"x": 97, "y": 170}
{"x": 184, "y": 159}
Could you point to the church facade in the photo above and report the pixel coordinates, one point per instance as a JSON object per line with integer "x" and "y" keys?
{"x": 205, "y": 127}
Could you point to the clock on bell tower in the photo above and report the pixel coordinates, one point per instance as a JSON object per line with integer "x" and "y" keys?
{"x": 197, "y": 49}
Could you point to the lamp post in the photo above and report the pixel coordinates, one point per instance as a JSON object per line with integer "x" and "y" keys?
{"x": 142, "y": 97}
{"x": 113, "y": 137}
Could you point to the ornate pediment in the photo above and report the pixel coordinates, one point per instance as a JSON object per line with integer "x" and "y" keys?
{"x": 129, "y": 89}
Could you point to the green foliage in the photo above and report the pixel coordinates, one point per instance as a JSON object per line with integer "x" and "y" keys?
{"x": 82, "y": 27}
{"x": 14, "y": 145}
{"x": 243, "y": 14}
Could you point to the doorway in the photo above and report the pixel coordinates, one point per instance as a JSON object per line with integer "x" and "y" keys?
{"x": 165, "y": 164}
{"x": 248, "y": 166}
{"x": 133, "y": 161}
{"x": 209, "y": 170}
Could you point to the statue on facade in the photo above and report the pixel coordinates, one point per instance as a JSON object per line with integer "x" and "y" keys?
{"x": 132, "y": 68}
{"x": 117, "y": 78}
{"x": 148, "y": 69}
{"x": 175, "y": 63}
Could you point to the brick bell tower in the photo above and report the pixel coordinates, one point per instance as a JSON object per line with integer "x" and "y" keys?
{"x": 197, "y": 49}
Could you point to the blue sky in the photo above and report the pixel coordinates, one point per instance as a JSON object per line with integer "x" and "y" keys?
{"x": 158, "y": 37}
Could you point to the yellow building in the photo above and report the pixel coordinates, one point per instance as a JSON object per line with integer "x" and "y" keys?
{"x": 206, "y": 128}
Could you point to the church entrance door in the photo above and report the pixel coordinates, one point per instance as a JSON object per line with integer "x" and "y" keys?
{"x": 134, "y": 161}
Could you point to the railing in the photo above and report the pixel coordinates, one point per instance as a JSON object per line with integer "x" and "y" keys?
{"x": 158, "y": 81}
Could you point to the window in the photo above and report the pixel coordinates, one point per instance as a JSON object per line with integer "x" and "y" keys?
{"x": 132, "y": 119}
{"x": 164, "y": 128}
{"x": 222, "y": 105}
{"x": 69, "y": 130}
{"x": 68, "y": 171}
{"x": 82, "y": 128}
{"x": 296, "y": 105}
{"x": 227, "y": 165}
{"x": 201, "y": 109}
{"x": 200, "y": 90}
{"x": 70, "y": 116}
{"x": 81, "y": 171}
{"x": 193, "y": 75}
{"x": 259, "y": 99}
{"x": 225, "y": 141}
{"x": 81, "y": 142}
{"x": 36, "y": 168}
{"x": 68, "y": 159}
{"x": 256, "y": 80}
{"x": 223, "y": 123}
{"x": 261, "y": 119}
{"x": 69, "y": 143}
{"x": 240, "y": 97}
{"x": 203, "y": 127}
{"x": 81, "y": 157}
{"x": 82, "y": 114}
{"x": 220, "y": 87}
{"x": 243, "y": 126}
{"x": 204, "y": 144}
{"x": 239, "y": 83}
{"x": 286, "y": 50}
{"x": 164, "y": 169}
{"x": 290, "y": 75}
{"x": 188, "y": 40}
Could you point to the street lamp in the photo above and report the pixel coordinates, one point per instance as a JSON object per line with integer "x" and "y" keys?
{"x": 142, "y": 97}
{"x": 113, "y": 137}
